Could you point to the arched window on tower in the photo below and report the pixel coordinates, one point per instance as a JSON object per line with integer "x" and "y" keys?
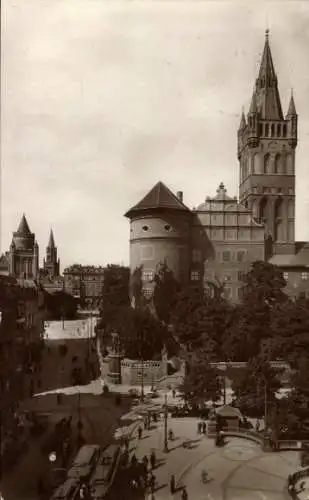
{"x": 291, "y": 209}
{"x": 284, "y": 130}
{"x": 278, "y": 216}
{"x": 278, "y": 164}
{"x": 263, "y": 209}
{"x": 272, "y": 130}
{"x": 266, "y": 163}
{"x": 289, "y": 164}
{"x": 255, "y": 164}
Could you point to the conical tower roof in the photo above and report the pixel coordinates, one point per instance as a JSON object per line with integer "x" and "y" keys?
{"x": 242, "y": 124}
{"x": 292, "y": 108}
{"x": 51, "y": 241}
{"x": 23, "y": 228}
{"x": 253, "y": 106}
{"x": 159, "y": 197}
{"x": 267, "y": 93}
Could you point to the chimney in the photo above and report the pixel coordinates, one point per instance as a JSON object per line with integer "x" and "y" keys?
{"x": 180, "y": 195}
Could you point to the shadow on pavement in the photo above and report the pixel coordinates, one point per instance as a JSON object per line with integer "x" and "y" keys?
{"x": 158, "y": 488}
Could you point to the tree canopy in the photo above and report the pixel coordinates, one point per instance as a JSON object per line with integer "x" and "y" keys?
{"x": 115, "y": 295}
{"x": 60, "y": 305}
{"x": 202, "y": 382}
{"x": 165, "y": 292}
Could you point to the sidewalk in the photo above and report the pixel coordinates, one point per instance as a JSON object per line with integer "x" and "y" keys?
{"x": 178, "y": 460}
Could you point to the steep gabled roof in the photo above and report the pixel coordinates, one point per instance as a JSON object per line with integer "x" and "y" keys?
{"x": 51, "y": 241}
{"x": 23, "y": 228}
{"x": 158, "y": 197}
{"x": 292, "y": 107}
{"x": 267, "y": 93}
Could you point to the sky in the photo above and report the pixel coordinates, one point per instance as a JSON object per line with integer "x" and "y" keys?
{"x": 102, "y": 99}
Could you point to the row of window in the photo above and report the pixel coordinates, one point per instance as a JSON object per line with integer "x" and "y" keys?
{"x": 304, "y": 276}
{"x": 167, "y": 228}
{"x": 272, "y": 190}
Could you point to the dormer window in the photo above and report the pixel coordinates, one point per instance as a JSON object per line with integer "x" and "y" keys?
{"x": 168, "y": 227}
{"x": 145, "y": 228}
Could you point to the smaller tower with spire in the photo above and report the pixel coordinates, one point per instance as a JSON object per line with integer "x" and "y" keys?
{"x": 51, "y": 263}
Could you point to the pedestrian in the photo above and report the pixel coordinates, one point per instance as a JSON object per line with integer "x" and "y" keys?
{"x": 172, "y": 484}
{"x": 140, "y": 432}
{"x": 145, "y": 461}
{"x": 184, "y": 494}
{"x": 174, "y": 393}
{"x": 133, "y": 459}
{"x": 204, "y": 426}
{"x": 199, "y": 427}
{"x": 152, "y": 482}
{"x": 153, "y": 459}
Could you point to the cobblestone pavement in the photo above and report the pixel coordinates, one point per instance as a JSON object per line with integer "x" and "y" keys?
{"x": 238, "y": 471}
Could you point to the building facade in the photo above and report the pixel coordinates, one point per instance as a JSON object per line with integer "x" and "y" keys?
{"x": 23, "y": 256}
{"x": 85, "y": 283}
{"x": 51, "y": 263}
{"x": 214, "y": 244}
{"x": 21, "y": 337}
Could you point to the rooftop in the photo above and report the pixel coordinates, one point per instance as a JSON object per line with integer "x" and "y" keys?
{"x": 159, "y": 197}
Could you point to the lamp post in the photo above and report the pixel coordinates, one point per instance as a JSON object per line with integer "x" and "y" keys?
{"x": 165, "y": 449}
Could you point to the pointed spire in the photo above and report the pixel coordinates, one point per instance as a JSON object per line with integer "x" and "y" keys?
{"x": 292, "y": 108}
{"x": 253, "y": 105}
{"x": 51, "y": 241}
{"x": 267, "y": 93}
{"x": 23, "y": 227}
{"x": 242, "y": 124}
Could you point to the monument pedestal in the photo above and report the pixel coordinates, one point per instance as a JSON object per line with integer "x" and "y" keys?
{"x": 114, "y": 369}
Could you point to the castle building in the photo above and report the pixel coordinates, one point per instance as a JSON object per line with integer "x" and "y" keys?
{"x": 23, "y": 256}
{"x": 51, "y": 264}
{"x": 214, "y": 244}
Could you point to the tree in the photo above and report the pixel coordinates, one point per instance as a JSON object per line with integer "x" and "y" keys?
{"x": 165, "y": 292}
{"x": 255, "y": 386}
{"x": 290, "y": 326}
{"x": 136, "y": 286}
{"x": 252, "y": 327}
{"x": 115, "y": 295}
{"x": 143, "y": 336}
{"x": 202, "y": 382}
{"x": 200, "y": 321}
{"x": 60, "y": 305}
{"x": 264, "y": 285}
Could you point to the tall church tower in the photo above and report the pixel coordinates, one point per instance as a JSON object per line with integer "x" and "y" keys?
{"x": 266, "y": 154}
{"x": 51, "y": 263}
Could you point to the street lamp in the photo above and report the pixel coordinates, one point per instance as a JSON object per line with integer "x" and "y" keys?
{"x": 165, "y": 449}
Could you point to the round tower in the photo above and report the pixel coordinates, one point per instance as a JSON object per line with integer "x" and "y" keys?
{"x": 160, "y": 228}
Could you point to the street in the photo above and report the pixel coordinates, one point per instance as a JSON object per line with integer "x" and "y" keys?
{"x": 238, "y": 471}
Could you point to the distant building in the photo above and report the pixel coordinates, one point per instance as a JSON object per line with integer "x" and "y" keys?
{"x": 51, "y": 263}
{"x": 22, "y": 313}
{"x": 214, "y": 244}
{"x": 23, "y": 256}
{"x": 85, "y": 283}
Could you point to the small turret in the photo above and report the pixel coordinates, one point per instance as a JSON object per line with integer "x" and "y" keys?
{"x": 243, "y": 123}
{"x": 292, "y": 122}
{"x": 253, "y": 121}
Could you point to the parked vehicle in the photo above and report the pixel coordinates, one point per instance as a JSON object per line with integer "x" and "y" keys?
{"x": 69, "y": 490}
{"x": 84, "y": 462}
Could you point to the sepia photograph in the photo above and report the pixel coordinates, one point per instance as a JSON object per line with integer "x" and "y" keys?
{"x": 154, "y": 250}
